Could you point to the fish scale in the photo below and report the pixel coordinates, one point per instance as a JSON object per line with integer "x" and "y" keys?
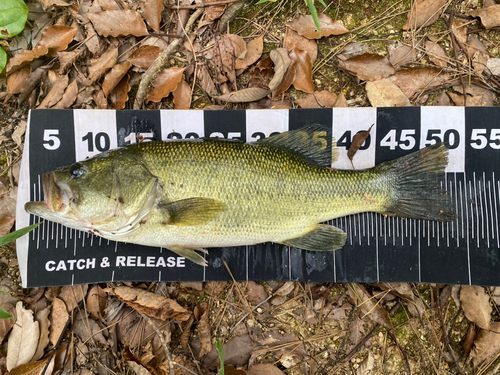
{"x": 189, "y": 195}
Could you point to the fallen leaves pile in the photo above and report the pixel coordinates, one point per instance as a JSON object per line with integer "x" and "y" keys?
{"x": 223, "y": 54}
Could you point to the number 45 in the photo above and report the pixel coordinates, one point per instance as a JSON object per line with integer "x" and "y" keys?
{"x": 406, "y": 141}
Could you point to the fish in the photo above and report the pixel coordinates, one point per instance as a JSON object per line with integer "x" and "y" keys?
{"x": 191, "y": 195}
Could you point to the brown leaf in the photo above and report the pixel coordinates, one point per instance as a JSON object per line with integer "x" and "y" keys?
{"x": 73, "y": 295}
{"x": 112, "y": 5}
{"x": 30, "y": 84}
{"x": 6, "y": 224}
{"x": 100, "y": 100}
{"x": 402, "y": 55}
{"x": 186, "y": 333}
{"x": 204, "y": 331}
{"x": 213, "y": 12}
{"x": 285, "y": 289}
{"x": 264, "y": 369}
{"x": 476, "y": 305}
{"x": 182, "y": 95}
{"x": 68, "y": 97}
{"x": 287, "y": 81}
{"x": 152, "y": 13}
{"x": 384, "y": 93}
{"x": 478, "y": 53}
{"x": 67, "y": 58}
{"x": 436, "y": 54}
{"x": 25, "y": 57}
{"x": 413, "y": 80}
{"x": 101, "y": 65}
{"x": 140, "y": 367}
{"x": 205, "y": 81}
{"x": 254, "y": 52}
{"x": 318, "y": 99}
{"x": 119, "y": 95}
{"x": 305, "y": 26}
{"x": 144, "y": 56}
{"x": 114, "y": 76}
{"x": 303, "y": 70}
{"x": 369, "y": 306}
{"x": 16, "y": 80}
{"x": 279, "y": 57}
{"x": 118, "y": 22}
{"x": 357, "y": 141}
{"x": 468, "y": 341}
{"x": 23, "y": 339}
{"x": 88, "y": 329}
{"x": 56, "y": 92}
{"x": 487, "y": 345}
{"x": 7, "y": 324}
{"x": 165, "y": 83}
{"x": 96, "y": 301}
{"x": 459, "y": 30}
{"x": 150, "y": 304}
{"x": 295, "y": 40}
{"x": 58, "y": 317}
{"x": 34, "y": 368}
{"x": 490, "y": 16}
{"x": 57, "y": 38}
{"x": 442, "y": 100}
{"x": 341, "y": 101}
{"x": 256, "y": 292}
{"x": 228, "y": 48}
{"x": 42, "y": 317}
{"x": 368, "y": 66}
{"x": 424, "y": 13}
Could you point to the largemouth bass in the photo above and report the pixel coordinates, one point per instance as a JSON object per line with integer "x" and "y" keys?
{"x": 189, "y": 195}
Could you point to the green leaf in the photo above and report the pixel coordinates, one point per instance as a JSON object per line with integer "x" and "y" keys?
{"x": 221, "y": 357}
{"x": 314, "y": 14}
{"x": 3, "y": 59}
{"x": 4, "y": 314}
{"x": 322, "y": 3}
{"x": 13, "y": 16}
{"x": 4, "y": 240}
{"x": 265, "y": 1}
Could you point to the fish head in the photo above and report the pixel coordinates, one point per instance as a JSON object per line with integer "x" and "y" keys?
{"x": 104, "y": 194}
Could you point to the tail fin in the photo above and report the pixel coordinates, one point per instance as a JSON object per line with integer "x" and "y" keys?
{"x": 415, "y": 180}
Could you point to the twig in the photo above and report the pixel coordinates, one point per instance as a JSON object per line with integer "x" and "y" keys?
{"x": 454, "y": 42}
{"x": 230, "y": 15}
{"x": 201, "y": 5}
{"x": 160, "y": 62}
{"x": 163, "y": 343}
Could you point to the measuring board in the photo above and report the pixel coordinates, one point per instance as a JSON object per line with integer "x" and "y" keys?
{"x": 378, "y": 248}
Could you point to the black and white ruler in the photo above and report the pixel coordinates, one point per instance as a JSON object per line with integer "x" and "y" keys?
{"x": 378, "y": 248}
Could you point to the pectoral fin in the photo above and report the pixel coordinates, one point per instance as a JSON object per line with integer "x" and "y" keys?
{"x": 189, "y": 254}
{"x": 321, "y": 238}
{"x": 191, "y": 211}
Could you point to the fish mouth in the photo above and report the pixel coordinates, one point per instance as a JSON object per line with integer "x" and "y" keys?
{"x": 57, "y": 195}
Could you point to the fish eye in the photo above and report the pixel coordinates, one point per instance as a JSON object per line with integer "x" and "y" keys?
{"x": 76, "y": 172}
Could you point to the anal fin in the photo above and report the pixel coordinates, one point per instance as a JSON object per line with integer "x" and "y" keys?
{"x": 190, "y": 254}
{"x": 321, "y": 238}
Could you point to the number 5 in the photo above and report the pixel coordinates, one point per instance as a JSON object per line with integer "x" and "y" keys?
{"x": 52, "y": 142}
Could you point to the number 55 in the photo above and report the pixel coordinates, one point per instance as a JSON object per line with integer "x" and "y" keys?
{"x": 51, "y": 139}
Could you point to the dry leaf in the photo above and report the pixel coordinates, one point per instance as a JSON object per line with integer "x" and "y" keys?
{"x": 227, "y": 49}
{"x": 182, "y": 95}
{"x": 402, "y": 55}
{"x": 186, "y": 333}
{"x": 254, "y": 52}
{"x": 285, "y": 289}
{"x": 487, "y": 345}
{"x": 118, "y": 22}
{"x": 295, "y": 40}
{"x": 35, "y": 368}
{"x": 150, "y": 304}
{"x": 30, "y": 84}
{"x": 96, "y": 301}
{"x": 279, "y": 57}
{"x": 119, "y": 95}
{"x": 341, "y": 101}
{"x": 101, "y": 65}
{"x": 6, "y": 224}
{"x": 256, "y": 292}
{"x": 424, "y": 13}
{"x": 287, "y": 81}
{"x": 366, "y": 367}
{"x": 478, "y": 53}
{"x": 67, "y": 58}
{"x": 468, "y": 341}
{"x": 204, "y": 331}
{"x": 7, "y": 324}
{"x": 368, "y": 66}
{"x": 305, "y": 26}
{"x": 58, "y": 317}
{"x": 56, "y": 92}
{"x": 100, "y": 100}
{"x": 144, "y": 56}
{"x": 413, "y": 80}
{"x": 213, "y": 12}
{"x": 72, "y": 295}
{"x": 442, "y": 100}
{"x": 138, "y": 369}
{"x": 250, "y": 94}
{"x": 490, "y": 16}
{"x": 476, "y": 305}
{"x": 357, "y": 141}
{"x": 57, "y": 38}
{"x": 384, "y": 93}
{"x": 459, "y": 30}
{"x": 112, "y": 4}
{"x": 165, "y": 83}
{"x": 16, "y": 80}
{"x": 25, "y": 57}
{"x": 42, "y": 317}
{"x": 369, "y": 306}
{"x": 114, "y": 76}
{"x": 206, "y": 82}
{"x": 152, "y": 13}
{"x": 23, "y": 339}
{"x": 264, "y": 369}
{"x": 88, "y": 329}
{"x": 436, "y": 54}
{"x": 303, "y": 70}
{"x": 68, "y": 97}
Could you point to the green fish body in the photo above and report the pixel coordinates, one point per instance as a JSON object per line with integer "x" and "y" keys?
{"x": 194, "y": 194}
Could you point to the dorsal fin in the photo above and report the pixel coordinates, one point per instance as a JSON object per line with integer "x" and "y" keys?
{"x": 309, "y": 142}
